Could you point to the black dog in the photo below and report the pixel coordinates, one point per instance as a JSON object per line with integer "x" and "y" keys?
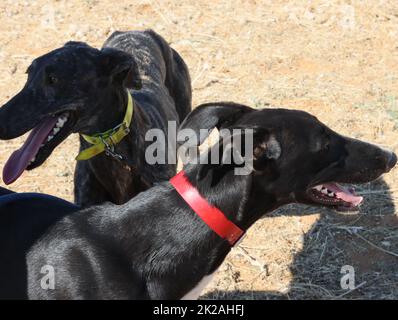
{"x": 77, "y": 88}
{"x": 24, "y": 219}
{"x": 156, "y": 247}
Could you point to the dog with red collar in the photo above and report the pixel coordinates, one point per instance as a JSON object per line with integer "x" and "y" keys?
{"x": 168, "y": 241}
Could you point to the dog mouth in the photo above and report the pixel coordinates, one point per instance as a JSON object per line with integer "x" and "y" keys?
{"x": 336, "y": 196}
{"x": 41, "y": 141}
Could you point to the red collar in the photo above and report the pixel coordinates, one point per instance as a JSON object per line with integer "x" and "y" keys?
{"x": 213, "y": 217}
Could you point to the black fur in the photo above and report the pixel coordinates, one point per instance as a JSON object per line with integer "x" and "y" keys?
{"x": 90, "y": 85}
{"x": 156, "y": 247}
{"x": 24, "y": 219}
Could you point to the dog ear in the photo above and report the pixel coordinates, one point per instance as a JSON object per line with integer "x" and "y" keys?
{"x": 212, "y": 115}
{"x": 76, "y": 44}
{"x": 121, "y": 67}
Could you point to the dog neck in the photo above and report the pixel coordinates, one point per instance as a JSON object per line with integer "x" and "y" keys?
{"x": 180, "y": 249}
{"x": 122, "y": 179}
{"x": 242, "y": 203}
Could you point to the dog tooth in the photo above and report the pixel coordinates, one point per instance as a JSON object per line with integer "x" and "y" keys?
{"x": 324, "y": 191}
{"x": 318, "y": 188}
{"x": 56, "y": 130}
{"x": 49, "y": 138}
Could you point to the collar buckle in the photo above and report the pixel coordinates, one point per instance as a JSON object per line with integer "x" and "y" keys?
{"x": 110, "y": 149}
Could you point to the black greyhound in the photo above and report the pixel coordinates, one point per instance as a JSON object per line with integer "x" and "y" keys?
{"x": 156, "y": 247}
{"x": 78, "y": 88}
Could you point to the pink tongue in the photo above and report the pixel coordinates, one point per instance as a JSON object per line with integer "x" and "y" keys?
{"x": 19, "y": 160}
{"x": 344, "y": 194}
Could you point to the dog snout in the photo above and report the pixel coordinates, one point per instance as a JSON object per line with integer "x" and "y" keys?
{"x": 391, "y": 161}
{"x": 387, "y": 158}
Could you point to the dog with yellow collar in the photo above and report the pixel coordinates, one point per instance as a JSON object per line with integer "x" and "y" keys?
{"x": 111, "y": 97}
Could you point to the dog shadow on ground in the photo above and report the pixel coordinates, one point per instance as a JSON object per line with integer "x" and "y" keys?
{"x": 365, "y": 241}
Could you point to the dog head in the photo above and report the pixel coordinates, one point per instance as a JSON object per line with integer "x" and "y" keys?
{"x": 62, "y": 95}
{"x": 296, "y": 158}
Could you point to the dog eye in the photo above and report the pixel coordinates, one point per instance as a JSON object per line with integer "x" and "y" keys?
{"x": 325, "y": 146}
{"x": 52, "y": 79}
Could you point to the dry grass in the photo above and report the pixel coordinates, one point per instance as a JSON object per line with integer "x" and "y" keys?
{"x": 336, "y": 59}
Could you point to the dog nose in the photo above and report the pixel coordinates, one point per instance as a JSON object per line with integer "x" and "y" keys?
{"x": 392, "y": 161}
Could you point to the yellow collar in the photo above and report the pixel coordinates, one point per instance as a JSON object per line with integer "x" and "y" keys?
{"x": 106, "y": 141}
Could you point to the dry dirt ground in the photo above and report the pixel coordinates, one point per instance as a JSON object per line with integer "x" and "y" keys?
{"x": 336, "y": 59}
